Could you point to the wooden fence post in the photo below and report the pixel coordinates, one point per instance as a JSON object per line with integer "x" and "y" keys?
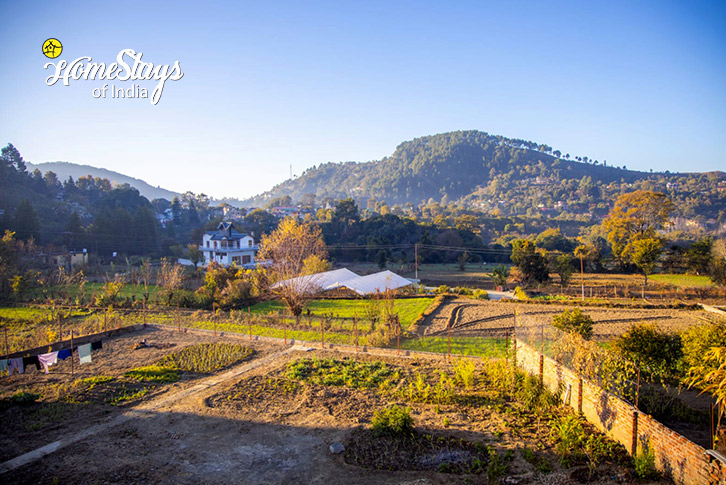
{"x": 634, "y": 445}
{"x": 322, "y": 332}
{"x": 355, "y": 322}
{"x": 71, "y": 352}
{"x": 249, "y": 320}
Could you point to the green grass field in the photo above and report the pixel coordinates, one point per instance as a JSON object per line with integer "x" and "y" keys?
{"x": 482, "y": 347}
{"x": 127, "y": 291}
{"x": 408, "y": 309}
{"x": 683, "y": 280}
{"x": 263, "y": 331}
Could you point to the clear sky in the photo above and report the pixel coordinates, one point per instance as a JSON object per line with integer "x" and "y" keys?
{"x": 269, "y": 84}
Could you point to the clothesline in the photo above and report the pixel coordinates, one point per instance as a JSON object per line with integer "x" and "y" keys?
{"x": 20, "y": 364}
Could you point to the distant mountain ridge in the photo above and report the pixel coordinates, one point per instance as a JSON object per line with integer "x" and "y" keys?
{"x": 494, "y": 173}
{"x": 67, "y": 169}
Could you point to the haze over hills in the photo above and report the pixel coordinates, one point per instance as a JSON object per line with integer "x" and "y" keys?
{"x": 489, "y": 173}
{"x": 495, "y": 173}
{"x": 67, "y": 169}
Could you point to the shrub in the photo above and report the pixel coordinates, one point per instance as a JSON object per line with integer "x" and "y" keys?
{"x": 645, "y": 463}
{"x": 393, "y": 420}
{"x": 442, "y": 289}
{"x": 697, "y": 341}
{"x": 465, "y": 371}
{"x": 567, "y": 433}
{"x": 534, "y": 395}
{"x": 520, "y": 293}
{"x": 481, "y": 295}
{"x": 657, "y": 353}
{"x": 23, "y": 398}
{"x": 574, "y": 321}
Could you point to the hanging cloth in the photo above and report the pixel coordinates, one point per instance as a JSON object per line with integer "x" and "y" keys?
{"x": 3, "y": 365}
{"x": 46, "y": 360}
{"x": 32, "y": 360}
{"x": 64, "y": 354}
{"x": 15, "y": 365}
{"x": 84, "y": 352}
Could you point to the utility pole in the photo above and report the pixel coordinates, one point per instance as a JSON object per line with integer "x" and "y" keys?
{"x": 415, "y": 258}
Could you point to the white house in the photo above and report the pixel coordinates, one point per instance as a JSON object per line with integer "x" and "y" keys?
{"x": 226, "y": 246}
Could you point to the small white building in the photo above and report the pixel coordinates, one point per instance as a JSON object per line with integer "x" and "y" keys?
{"x": 226, "y": 246}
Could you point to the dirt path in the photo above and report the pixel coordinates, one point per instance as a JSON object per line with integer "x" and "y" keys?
{"x": 154, "y": 405}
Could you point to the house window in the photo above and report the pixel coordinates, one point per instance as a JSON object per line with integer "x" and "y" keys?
{"x": 207, "y": 243}
{"x": 215, "y": 244}
{"x": 245, "y": 259}
{"x": 236, "y": 259}
{"x": 238, "y": 243}
{"x": 250, "y": 242}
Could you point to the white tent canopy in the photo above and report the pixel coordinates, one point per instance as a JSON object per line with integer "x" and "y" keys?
{"x": 375, "y": 283}
{"x": 344, "y": 278}
{"x": 318, "y": 282}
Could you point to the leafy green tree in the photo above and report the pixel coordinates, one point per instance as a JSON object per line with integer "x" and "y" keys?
{"x": 574, "y": 321}
{"x": 284, "y": 201}
{"x": 346, "y": 211}
{"x": 645, "y": 253}
{"x": 657, "y": 353}
{"x": 564, "y": 267}
{"x": 176, "y": 211}
{"x": 74, "y": 230}
{"x": 532, "y": 262}
{"x": 718, "y": 269}
{"x": 195, "y": 254}
{"x": 26, "y": 223}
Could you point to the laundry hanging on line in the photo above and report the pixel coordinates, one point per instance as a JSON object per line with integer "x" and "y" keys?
{"x": 84, "y": 352}
{"x": 19, "y": 365}
{"x": 46, "y": 360}
{"x": 15, "y": 365}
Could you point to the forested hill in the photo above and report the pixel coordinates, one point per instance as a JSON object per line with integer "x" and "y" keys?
{"x": 477, "y": 168}
{"x": 66, "y": 169}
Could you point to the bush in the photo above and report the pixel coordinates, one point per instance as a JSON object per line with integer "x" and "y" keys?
{"x": 567, "y": 433}
{"x": 697, "y": 341}
{"x": 657, "y": 353}
{"x": 442, "y": 289}
{"x": 393, "y": 420}
{"x": 574, "y": 321}
{"x": 645, "y": 463}
{"x": 465, "y": 371}
{"x": 520, "y": 293}
{"x": 481, "y": 295}
{"x": 23, "y": 398}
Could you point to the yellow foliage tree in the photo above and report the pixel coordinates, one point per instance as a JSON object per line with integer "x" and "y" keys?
{"x": 295, "y": 249}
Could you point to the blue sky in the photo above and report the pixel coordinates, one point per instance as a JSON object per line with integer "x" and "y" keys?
{"x": 269, "y": 84}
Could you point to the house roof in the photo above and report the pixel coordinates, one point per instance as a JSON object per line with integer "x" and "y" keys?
{"x": 217, "y": 236}
{"x": 225, "y": 232}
